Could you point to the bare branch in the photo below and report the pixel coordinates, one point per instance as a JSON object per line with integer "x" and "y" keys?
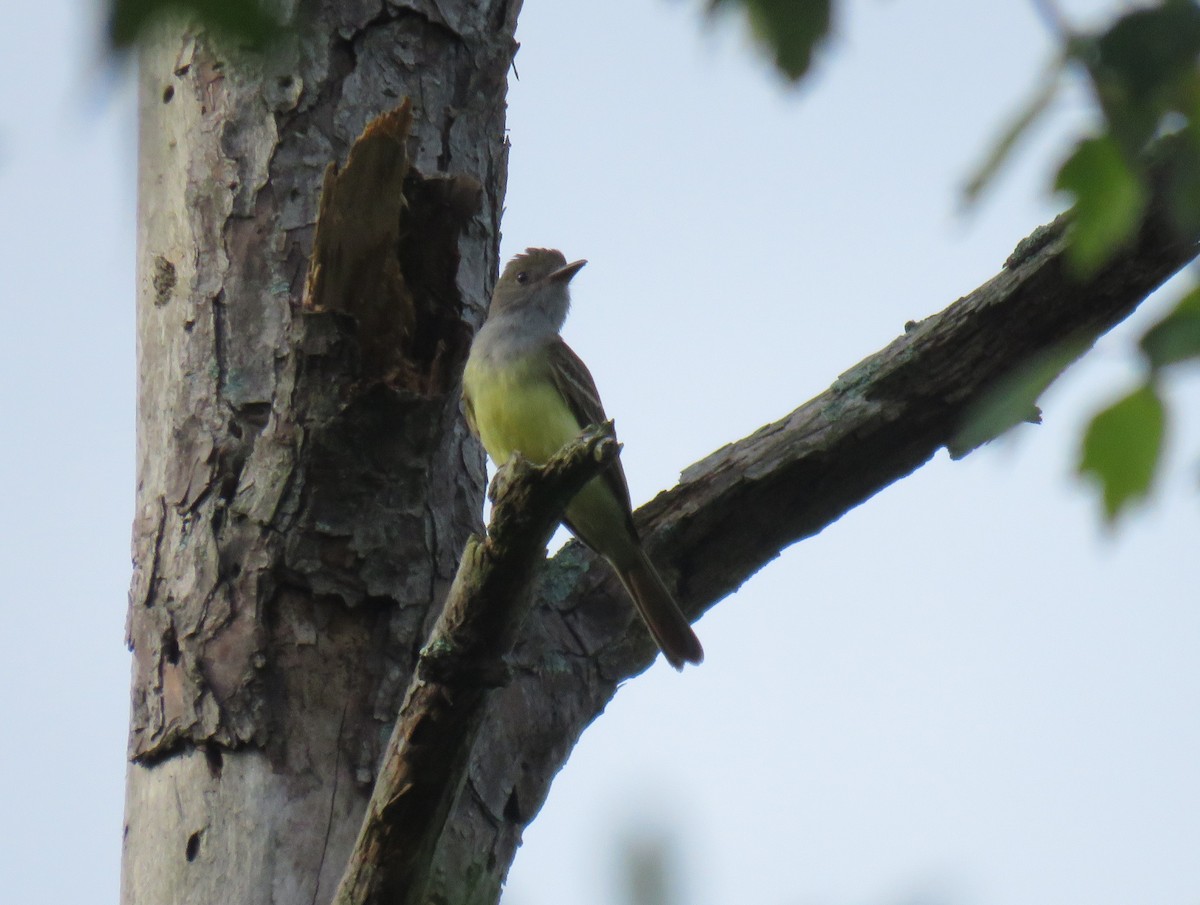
{"x": 426, "y": 760}
{"x": 1054, "y": 19}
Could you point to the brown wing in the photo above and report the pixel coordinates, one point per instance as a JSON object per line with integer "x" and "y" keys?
{"x": 577, "y": 387}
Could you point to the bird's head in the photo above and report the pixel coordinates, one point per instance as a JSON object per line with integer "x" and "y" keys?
{"x": 536, "y": 280}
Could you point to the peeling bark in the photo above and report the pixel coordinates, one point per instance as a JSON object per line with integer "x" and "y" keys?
{"x": 305, "y": 488}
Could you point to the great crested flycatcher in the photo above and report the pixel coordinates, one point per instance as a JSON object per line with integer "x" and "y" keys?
{"x": 526, "y": 392}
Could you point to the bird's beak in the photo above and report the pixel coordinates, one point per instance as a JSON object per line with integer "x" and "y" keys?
{"x": 564, "y": 273}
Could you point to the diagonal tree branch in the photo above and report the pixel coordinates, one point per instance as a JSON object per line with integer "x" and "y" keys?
{"x": 425, "y": 762}
{"x": 737, "y": 509}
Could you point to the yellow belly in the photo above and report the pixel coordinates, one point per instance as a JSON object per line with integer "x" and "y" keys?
{"x": 518, "y": 409}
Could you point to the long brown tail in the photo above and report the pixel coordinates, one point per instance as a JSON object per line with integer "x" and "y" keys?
{"x": 658, "y": 609}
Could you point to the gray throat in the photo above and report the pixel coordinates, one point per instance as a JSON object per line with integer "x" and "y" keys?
{"x": 512, "y": 334}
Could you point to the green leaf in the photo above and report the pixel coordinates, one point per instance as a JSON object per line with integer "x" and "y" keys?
{"x": 1176, "y": 337}
{"x": 790, "y": 29}
{"x": 1122, "y": 447}
{"x": 1109, "y": 200}
{"x": 1148, "y": 49}
{"x": 1142, "y": 68}
{"x": 243, "y": 20}
{"x": 1013, "y": 399}
{"x": 1021, "y": 124}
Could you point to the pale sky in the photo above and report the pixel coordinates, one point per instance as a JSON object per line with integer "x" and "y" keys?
{"x": 965, "y": 691}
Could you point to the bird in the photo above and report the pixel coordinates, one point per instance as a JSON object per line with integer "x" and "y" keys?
{"x": 526, "y": 392}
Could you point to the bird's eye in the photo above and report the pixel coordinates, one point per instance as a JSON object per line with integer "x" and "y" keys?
{"x": 522, "y": 277}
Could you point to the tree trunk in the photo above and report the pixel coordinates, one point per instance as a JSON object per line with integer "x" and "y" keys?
{"x": 301, "y": 502}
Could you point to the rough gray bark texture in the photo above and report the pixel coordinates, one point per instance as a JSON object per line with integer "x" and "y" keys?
{"x": 306, "y": 485}
{"x": 302, "y": 501}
